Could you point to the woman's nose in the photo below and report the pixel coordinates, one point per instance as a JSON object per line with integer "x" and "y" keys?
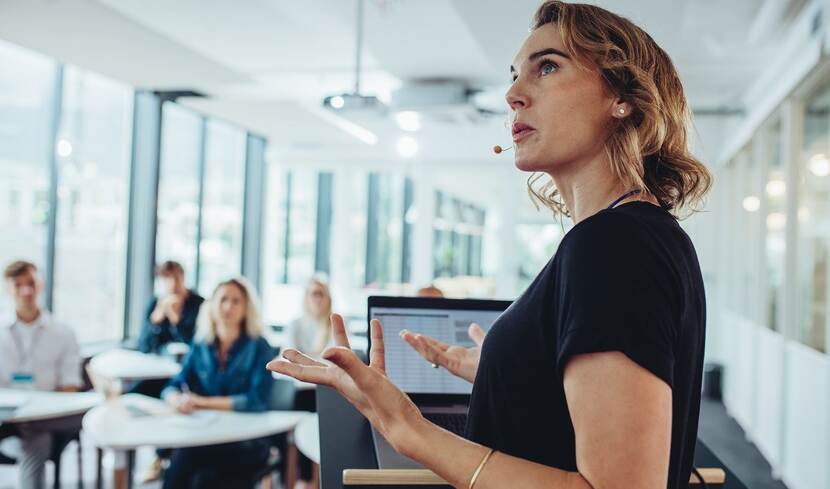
{"x": 516, "y": 97}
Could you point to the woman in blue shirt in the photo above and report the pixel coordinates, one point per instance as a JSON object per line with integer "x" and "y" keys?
{"x": 223, "y": 371}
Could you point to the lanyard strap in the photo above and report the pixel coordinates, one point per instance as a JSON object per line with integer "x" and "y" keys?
{"x": 25, "y": 356}
{"x": 623, "y": 197}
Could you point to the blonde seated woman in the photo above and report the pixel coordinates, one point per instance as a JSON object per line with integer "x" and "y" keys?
{"x": 311, "y": 333}
{"x": 223, "y": 371}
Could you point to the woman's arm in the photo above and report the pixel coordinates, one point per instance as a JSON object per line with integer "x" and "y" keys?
{"x": 621, "y": 415}
{"x": 622, "y": 422}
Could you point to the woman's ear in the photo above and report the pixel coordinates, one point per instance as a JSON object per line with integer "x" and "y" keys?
{"x": 621, "y": 109}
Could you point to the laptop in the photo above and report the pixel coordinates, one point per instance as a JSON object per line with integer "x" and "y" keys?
{"x": 442, "y": 397}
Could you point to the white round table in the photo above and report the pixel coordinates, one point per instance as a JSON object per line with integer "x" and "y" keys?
{"x": 123, "y": 364}
{"x": 29, "y": 406}
{"x": 134, "y": 420}
{"x": 307, "y": 437}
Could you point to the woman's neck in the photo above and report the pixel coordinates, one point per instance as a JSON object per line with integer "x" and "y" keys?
{"x": 592, "y": 188}
{"x": 227, "y": 335}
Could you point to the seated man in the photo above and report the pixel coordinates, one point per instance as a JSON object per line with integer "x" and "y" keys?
{"x": 171, "y": 317}
{"x": 36, "y": 353}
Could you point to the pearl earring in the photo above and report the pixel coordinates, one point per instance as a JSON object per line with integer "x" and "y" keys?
{"x": 622, "y": 111}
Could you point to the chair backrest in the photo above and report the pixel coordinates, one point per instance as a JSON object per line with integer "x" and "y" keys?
{"x": 283, "y": 393}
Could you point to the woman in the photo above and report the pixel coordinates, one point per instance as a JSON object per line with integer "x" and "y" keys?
{"x": 591, "y": 379}
{"x": 223, "y": 371}
{"x": 311, "y": 333}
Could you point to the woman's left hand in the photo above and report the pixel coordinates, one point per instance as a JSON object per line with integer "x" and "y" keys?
{"x": 366, "y": 387}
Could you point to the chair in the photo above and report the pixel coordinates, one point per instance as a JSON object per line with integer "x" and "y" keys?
{"x": 59, "y": 442}
{"x": 283, "y": 394}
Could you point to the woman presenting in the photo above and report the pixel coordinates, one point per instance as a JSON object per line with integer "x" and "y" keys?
{"x": 591, "y": 379}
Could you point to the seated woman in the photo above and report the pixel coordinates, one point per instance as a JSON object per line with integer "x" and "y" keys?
{"x": 311, "y": 333}
{"x": 223, "y": 371}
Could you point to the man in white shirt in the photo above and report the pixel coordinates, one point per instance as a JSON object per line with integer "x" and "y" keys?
{"x": 36, "y": 353}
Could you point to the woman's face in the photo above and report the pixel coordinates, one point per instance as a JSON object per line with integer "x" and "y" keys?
{"x": 316, "y": 296}
{"x": 560, "y": 111}
{"x": 231, "y": 307}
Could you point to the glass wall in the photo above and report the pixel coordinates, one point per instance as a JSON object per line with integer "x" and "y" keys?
{"x": 814, "y": 221}
{"x": 220, "y": 250}
{"x": 775, "y": 193}
{"x": 177, "y": 227}
{"x": 27, "y": 92}
{"x": 94, "y": 145}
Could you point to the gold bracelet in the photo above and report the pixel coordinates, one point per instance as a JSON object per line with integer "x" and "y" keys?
{"x": 480, "y": 468}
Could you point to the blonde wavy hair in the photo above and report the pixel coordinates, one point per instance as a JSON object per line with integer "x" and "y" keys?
{"x": 251, "y": 326}
{"x": 649, "y": 149}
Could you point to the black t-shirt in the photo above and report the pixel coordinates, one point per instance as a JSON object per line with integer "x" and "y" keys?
{"x": 625, "y": 279}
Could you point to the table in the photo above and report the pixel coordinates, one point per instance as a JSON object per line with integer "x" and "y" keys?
{"x": 133, "y": 420}
{"x": 121, "y": 364}
{"x": 44, "y": 405}
{"x": 307, "y": 438}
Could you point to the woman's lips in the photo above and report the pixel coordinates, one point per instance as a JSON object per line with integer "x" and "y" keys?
{"x": 521, "y": 131}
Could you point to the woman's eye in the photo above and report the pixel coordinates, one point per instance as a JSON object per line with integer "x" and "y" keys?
{"x": 548, "y": 68}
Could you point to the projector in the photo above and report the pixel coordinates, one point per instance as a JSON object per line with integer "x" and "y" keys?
{"x": 352, "y": 101}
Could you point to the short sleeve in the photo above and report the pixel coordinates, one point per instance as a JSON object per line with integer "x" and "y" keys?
{"x": 70, "y": 361}
{"x": 617, "y": 294}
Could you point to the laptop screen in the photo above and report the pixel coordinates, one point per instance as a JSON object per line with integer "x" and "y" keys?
{"x": 446, "y": 320}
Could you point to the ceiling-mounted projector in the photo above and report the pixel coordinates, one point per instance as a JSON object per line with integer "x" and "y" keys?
{"x": 352, "y": 101}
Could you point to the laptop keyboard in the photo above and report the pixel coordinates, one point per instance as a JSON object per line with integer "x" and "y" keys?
{"x": 454, "y": 422}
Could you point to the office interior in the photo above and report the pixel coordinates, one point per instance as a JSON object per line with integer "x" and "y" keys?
{"x": 353, "y": 140}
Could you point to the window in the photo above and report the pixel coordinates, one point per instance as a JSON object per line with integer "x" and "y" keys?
{"x": 27, "y": 92}
{"x": 813, "y": 222}
{"x": 442, "y": 250}
{"x": 384, "y": 247}
{"x": 537, "y": 244}
{"x": 457, "y": 237}
{"x": 220, "y": 250}
{"x": 177, "y": 227}
{"x": 298, "y": 236}
{"x": 302, "y": 225}
{"x": 93, "y": 186}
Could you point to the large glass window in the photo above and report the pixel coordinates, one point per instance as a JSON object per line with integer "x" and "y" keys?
{"x": 93, "y": 193}
{"x": 220, "y": 251}
{"x": 457, "y": 232}
{"x": 302, "y": 225}
{"x": 442, "y": 250}
{"x": 27, "y": 91}
{"x": 179, "y": 184}
{"x": 298, "y": 242}
{"x": 384, "y": 252}
{"x": 537, "y": 243}
{"x": 814, "y": 222}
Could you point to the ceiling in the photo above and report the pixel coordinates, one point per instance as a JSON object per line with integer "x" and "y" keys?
{"x": 267, "y": 64}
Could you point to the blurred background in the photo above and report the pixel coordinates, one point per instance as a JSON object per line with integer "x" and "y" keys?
{"x": 281, "y": 139}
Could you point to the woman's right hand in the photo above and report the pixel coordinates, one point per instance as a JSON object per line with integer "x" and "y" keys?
{"x": 182, "y": 402}
{"x": 459, "y": 361}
